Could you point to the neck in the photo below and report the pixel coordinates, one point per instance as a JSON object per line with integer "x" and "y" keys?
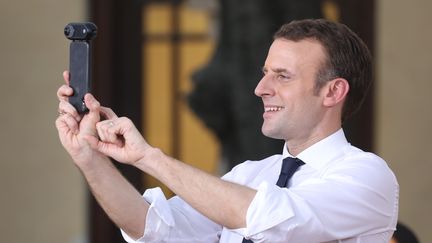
{"x": 298, "y": 145}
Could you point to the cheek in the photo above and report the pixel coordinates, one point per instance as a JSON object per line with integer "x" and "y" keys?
{"x": 304, "y": 107}
{"x": 297, "y": 98}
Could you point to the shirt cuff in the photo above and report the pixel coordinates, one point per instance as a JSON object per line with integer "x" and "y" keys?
{"x": 159, "y": 218}
{"x": 265, "y": 210}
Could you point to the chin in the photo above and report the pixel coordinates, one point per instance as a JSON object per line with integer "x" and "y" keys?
{"x": 271, "y": 134}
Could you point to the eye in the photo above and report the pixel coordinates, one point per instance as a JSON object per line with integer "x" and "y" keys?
{"x": 281, "y": 76}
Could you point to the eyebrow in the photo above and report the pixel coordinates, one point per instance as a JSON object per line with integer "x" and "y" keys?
{"x": 280, "y": 70}
{"x": 277, "y": 70}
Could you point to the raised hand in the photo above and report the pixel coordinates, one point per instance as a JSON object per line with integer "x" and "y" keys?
{"x": 73, "y": 128}
{"x": 120, "y": 140}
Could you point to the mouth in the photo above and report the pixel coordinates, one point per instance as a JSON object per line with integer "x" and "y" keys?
{"x": 273, "y": 108}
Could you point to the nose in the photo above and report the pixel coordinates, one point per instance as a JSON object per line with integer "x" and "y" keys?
{"x": 264, "y": 87}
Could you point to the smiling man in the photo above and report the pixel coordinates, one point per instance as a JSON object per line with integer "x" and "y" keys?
{"x": 319, "y": 189}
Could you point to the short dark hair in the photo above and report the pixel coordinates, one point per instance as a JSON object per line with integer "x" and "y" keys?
{"x": 347, "y": 57}
{"x": 404, "y": 234}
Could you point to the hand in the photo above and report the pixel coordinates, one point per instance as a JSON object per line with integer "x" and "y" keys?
{"x": 73, "y": 128}
{"x": 120, "y": 140}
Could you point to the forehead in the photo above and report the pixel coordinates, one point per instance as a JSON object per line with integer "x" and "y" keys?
{"x": 295, "y": 55}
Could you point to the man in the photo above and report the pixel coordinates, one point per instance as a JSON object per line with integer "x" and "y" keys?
{"x": 403, "y": 234}
{"x": 315, "y": 75}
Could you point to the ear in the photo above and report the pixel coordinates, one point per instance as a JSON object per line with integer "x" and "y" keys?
{"x": 335, "y": 92}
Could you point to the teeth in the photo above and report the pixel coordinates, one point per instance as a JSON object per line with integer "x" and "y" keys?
{"x": 273, "y": 109}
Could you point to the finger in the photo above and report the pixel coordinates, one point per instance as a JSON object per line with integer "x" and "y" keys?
{"x": 105, "y": 148}
{"x": 108, "y": 113}
{"x": 94, "y": 108}
{"x": 64, "y": 92}
{"x": 66, "y": 123}
{"x": 71, "y": 123}
{"x": 108, "y": 133}
{"x": 66, "y": 107}
{"x": 66, "y": 77}
{"x": 101, "y": 132}
{"x": 125, "y": 129}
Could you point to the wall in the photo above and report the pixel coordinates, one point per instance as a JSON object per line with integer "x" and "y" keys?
{"x": 404, "y": 116}
{"x": 43, "y": 194}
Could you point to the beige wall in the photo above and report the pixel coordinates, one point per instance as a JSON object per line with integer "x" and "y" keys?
{"x": 42, "y": 194}
{"x": 404, "y": 113}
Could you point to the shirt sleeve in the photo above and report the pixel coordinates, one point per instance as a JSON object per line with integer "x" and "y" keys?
{"x": 174, "y": 220}
{"x": 346, "y": 202}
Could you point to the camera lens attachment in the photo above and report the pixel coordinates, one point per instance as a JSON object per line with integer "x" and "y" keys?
{"x": 80, "y": 31}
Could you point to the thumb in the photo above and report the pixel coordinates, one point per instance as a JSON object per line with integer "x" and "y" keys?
{"x": 107, "y": 149}
{"x": 94, "y": 108}
{"x": 92, "y": 141}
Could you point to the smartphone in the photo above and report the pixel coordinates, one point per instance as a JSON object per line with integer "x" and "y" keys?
{"x": 80, "y": 61}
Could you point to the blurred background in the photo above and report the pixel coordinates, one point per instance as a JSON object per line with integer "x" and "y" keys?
{"x": 184, "y": 72}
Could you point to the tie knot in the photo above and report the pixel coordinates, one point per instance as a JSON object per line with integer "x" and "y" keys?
{"x": 290, "y": 165}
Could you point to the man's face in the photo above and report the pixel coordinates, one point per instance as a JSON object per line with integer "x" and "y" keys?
{"x": 291, "y": 108}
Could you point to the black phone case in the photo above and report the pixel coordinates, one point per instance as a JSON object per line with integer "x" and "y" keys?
{"x": 80, "y": 73}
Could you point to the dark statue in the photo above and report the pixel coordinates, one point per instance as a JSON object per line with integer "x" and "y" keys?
{"x": 223, "y": 95}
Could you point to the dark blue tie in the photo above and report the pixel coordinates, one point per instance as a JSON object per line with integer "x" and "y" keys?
{"x": 289, "y": 166}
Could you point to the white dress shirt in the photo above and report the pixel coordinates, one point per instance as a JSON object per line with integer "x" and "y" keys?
{"x": 340, "y": 195}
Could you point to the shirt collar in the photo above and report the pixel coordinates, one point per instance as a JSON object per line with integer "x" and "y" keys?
{"x": 322, "y": 152}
